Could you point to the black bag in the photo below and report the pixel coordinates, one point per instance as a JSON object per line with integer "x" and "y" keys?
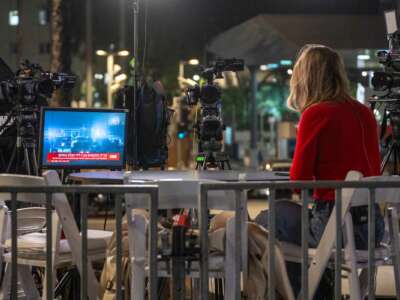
{"x": 147, "y": 125}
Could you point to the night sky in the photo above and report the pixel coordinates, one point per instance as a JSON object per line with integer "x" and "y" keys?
{"x": 180, "y": 29}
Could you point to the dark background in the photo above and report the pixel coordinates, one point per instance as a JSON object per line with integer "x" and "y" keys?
{"x": 180, "y": 29}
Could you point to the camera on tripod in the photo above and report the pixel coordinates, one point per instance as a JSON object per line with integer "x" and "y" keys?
{"x": 389, "y": 79}
{"x": 210, "y": 127}
{"x": 21, "y": 96}
{"x": 388, "y": 82}
{"x": 30, "y": 83}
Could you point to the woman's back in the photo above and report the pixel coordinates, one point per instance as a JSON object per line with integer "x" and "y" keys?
{"x": 334, "y": 138}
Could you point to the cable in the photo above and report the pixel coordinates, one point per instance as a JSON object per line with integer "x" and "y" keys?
{"x": 8, "y": 119}
{"x": 146, "y": 10}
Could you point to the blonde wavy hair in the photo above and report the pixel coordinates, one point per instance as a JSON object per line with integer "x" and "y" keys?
{"x": 319, "y": 75}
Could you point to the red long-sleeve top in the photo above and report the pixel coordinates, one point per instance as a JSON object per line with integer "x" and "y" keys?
{"x": 332, "y": 139}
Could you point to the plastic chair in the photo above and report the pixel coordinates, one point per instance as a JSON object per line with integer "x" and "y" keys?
{"x": 177, "y": 194}
{"x": 32, "y": 245}
{"x": 354, "y": 260}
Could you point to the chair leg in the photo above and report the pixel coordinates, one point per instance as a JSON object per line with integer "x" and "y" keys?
{"x": 195, "y": 288}
{"x": 350, "y": 255}
{"x": 363, "y": 278}
{"x": 45, "y": 296}
{"x": 25, "y": 282}
{"x": 137, "y": 252}
{"x": 28, "y": 285}
{"x": 231, "y": 269}
{"x": 394, "y": 232}
{"x": 5, "y": 288}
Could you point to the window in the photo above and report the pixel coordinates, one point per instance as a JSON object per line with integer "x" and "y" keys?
{"x": 13, "y": 18}
{"x": 43, "y": 20}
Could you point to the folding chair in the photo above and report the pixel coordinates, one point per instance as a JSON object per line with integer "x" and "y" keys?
{"x": 355, "y": 261}
{"x": 65, "y": 252}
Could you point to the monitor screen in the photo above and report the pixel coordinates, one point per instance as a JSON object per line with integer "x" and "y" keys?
{"x": 82, "y": 138}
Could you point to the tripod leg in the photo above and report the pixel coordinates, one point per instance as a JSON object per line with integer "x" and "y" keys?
{"x": 27, "y": 163}
{"x": 35, "y": 162}
{"x": 395, "y": 156}
{"x": 386, "y": 158}
{"x": 11, "y": 159}
{"x": 2, "y": 160}
{"x": 396, "y": 167}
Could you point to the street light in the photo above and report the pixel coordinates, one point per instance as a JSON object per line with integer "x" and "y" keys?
{"x": 193, "y": 62}
{"x": 110, "y": 54}
{"x": 182, "y": 64}
{"x": 101, "y": 53}
{"x": 123, "y": 53}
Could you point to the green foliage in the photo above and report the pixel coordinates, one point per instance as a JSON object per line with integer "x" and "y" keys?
{"x": 235, "y": 103}
{"x": 271, "y": 99}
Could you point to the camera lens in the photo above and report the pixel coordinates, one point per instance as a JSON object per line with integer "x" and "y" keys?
{"x": 45, "y": 87}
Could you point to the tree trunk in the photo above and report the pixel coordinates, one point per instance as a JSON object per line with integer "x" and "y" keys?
{"x": 60, "y": 46}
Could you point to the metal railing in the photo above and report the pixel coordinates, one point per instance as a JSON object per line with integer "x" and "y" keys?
{"x": 238, "y": 187}
{"x": 304, "y": 186}
{"x": 119, "y": 191}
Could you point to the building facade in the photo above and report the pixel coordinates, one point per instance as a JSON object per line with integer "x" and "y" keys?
{"x": 25, "y": 32}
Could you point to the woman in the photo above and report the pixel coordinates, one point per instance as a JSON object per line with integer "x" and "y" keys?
{"x": 336, "y": 134}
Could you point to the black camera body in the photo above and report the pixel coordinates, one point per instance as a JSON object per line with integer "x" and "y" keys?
{"x": 210, "y": 127}
{"x": 30, "y": 83}
{"x": 389, "y": 79}
{"x": 21, "y": 96}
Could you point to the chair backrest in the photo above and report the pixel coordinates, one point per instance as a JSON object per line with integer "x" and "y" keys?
{"x": 71, "y": 231}
{"x": 350, "y": 198}
{"x": 16, "y": 180}
{"x": 326, "y": 244}
{"x": 31, "y": 219}
{"x": 383, "y": 195}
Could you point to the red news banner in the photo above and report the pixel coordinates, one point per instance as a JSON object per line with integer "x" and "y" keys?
{"x": 68, "y": 157}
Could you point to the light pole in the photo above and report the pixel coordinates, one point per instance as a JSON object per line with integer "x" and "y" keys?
{"x": 89, "y": 54}
{"x": 110, "y": 54}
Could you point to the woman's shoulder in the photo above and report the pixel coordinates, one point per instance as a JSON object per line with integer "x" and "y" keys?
{"x": 320, "y": 108}
{"x": 362, "y": 108}
{"x": 332, "y": 106}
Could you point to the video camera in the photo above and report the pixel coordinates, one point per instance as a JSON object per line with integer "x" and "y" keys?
{"x": 388, "y": 81}
{"x": 210, "y": 127}
{"x": 30, "y": 83}
{"x": 21, "y": 96}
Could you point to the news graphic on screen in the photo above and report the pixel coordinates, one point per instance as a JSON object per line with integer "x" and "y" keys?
{"x": 82, "y": 138}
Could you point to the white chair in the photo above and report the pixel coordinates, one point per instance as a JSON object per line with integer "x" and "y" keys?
{"x": 178, "y": 194}
{"x": 65, "y": 252}
{"x": 354, "y": 261}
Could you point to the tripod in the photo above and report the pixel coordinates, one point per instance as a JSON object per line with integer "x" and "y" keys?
{"x": 394, "y": 148}
{"x": 23, "y": 158}
{"x": 215, "y": 160}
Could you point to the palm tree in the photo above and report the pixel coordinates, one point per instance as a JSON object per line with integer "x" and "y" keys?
{"x": 60, "y": 46}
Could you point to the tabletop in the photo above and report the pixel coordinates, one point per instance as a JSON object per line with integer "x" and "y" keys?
{"x": 117, "y": 177}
